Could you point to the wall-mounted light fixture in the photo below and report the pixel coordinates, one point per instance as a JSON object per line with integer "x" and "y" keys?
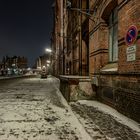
{"x": 48, "y": 50}
{"x": 82, "y": 11}
{"x": 67, "y": 37}
{"x": 48, "y": 61}
{"x": 48, "y": 65}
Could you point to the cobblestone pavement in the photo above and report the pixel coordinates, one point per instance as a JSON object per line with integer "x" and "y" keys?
{"x": 32, "y": 109}
{"x": 102, "y": 126}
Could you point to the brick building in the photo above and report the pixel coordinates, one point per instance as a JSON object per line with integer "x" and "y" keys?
{"x": 70, "y": 38}
{"x": 22, "y": 62}
{"x": 17, "y": 61}
{"x": 57, "y": 38}
{"x": 103, "y": 41}
{"x": 42, "y": 61}
{"x": 78, "y": 40}
{"x": 112, "y": 62}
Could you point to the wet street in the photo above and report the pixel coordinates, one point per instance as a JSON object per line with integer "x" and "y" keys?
{"x": 34, "y": 109}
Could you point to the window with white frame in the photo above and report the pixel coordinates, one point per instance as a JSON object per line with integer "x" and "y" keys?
{"x": 113, "y": 36}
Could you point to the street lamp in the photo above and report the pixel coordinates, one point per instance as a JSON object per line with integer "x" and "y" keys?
{"x": 82, "y": 11}
{"x": 66, "y": 37}
{"x": 48, "y": 50}
{"x": 48, "y": 61}
{"x": 48, "y": 65}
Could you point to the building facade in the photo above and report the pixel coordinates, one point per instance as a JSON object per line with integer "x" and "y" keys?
{"x": 70, "y": 38}
{"x": 78, "y": 41}
{"x": 57, "y": 38}
{"x": 16, "y": 61}
{"x": 101, "y": 39}
{"x": 42, "y": 61}
{"x": 114, "y": 54}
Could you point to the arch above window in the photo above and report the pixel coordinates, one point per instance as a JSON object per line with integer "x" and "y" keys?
{"x": 107, "y": 10}
{"x": 110, "y": 15}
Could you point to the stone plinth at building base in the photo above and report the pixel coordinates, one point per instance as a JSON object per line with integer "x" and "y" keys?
{"x": 74, "y": 88}
{"x": 121, "y": 91}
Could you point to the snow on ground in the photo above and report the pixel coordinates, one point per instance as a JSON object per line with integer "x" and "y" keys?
{"x": 104, "y": 123}
{"x": 118, "y": 116}
{"x": 34, "y": 109}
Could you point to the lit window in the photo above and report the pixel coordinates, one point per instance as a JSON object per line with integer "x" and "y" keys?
{"x": 113, "y": 36}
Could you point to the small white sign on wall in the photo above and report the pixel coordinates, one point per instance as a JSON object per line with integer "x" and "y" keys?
{"x": 131, "y": 53}
{"x": 131, "y": 57}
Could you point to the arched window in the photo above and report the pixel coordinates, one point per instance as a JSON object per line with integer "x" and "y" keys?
{"x": 113, "y": 35}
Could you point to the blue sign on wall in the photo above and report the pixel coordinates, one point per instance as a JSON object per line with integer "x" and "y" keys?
{"x": 131, "y": 35}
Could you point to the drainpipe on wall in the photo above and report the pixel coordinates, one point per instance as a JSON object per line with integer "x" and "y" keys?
{"x": 80, "y": 39}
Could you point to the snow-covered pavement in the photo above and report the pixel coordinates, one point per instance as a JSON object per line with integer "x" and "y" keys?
{"x": 105, "y": 123}
{"x": 34, "y": 109}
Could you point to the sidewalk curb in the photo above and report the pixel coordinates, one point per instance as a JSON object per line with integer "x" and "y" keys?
{"x": 17, "y": 77}
{"x": 82, "y": 129}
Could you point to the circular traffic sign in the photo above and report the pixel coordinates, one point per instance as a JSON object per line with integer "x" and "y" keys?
{"x": 131, "y": 35}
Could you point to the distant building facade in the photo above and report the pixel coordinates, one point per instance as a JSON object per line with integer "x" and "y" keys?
{"x": 101, "y": 39}
{"x": 42, "y": 61}
{"x": 16, "y": 61}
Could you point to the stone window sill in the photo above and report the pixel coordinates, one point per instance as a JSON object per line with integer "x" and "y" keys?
{"x": 110, "y": 68}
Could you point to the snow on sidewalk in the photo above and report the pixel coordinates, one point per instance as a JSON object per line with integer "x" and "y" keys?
{"x": 118, "y": 116}
{"x": 34, "y": 109}
{"x": 71, "y": 117}
{"x": 105, "y": 123}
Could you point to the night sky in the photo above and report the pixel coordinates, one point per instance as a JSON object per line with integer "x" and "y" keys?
{"x": 25, "y": 27}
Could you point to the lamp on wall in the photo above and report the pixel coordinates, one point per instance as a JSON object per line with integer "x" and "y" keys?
{"x": 67, "y": 37}
{"x": 82, "y": 11}
{"x": 48, "y": 62}
{"x": 48, "y": 50}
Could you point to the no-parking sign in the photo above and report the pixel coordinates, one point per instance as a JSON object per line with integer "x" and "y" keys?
{"x": 131, "y": 35}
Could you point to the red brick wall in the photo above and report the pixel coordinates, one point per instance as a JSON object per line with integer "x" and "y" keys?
{"x": 98, "y": 47}
{"x": 129, "y": 15}
{"x": 121, "y": 89}
{"x": 122, "y": 92}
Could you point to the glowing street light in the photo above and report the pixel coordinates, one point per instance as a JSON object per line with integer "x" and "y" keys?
{"x": 48, "y": 50}
{"x": 44, "y": 67}
{"x": 48, "y": 65}
{"x": 48, "y": 61}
